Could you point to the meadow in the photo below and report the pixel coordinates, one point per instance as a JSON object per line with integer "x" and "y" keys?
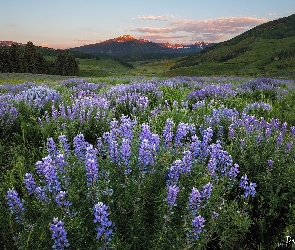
{"x": 147, "y": 163}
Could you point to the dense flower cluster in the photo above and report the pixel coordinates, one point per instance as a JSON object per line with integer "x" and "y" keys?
{"x": 59, "y": 235}
{"x": 15, "y": 204}
{"x": 103, "y": 229}
{"x": 38, "y": 97}
{"x": 249, "y": 188}
{"x": 8, "y": 113}
{"x": 221, "y": 91}
{"x": 172, "y": 192}
{"x": 197, "y": 225}
{"x": 199, "y": 173}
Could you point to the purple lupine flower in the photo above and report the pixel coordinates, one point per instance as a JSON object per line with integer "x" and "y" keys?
{"x": 284, "y": 127}
{"x": 65, "y": 145}
{"x": 267, "y": 132}
{"x": 243, "y": 182}
{"x": 99, "y": 145}
{"x": 288, "y": 147}
{"x": 146, "y": 155}
{"x": 197, "y": 225}
{"x": 32, "y": 188}
{"x": 194, "y": 200}
{"x": 40, "y": 194}
{"x": 91, "y": 166}
{"x": 54, "y": 113}
{"x": 155, "y": 140}
{"x": 207, "y": 138}
{"x": 168, "y": 133}
{"x": 145, "y": 132}
{"x": 215, "y": 215}
{"x": 220, "y": 132}
{"x": 187, "y": 162}
{"x": 212, "y": 167}
{"x": 172, "y": 192}
{"x": 59, "y": 235}
{"x": 47, "y": 169}
{"x": 125, "y": 153}
{"x": 126, "y": 127}
{"x": 280, "y": 139}
{"x": 233, "y": 172}
{"x": 231, "y": 131}
{"x": 259, "y": 139}
{"x": 61, "y": 163}
{"x": 250, "y": 190}
{"x": 80, "y": 146}
{"x": 30, "y": 183}
{"x": 15, "y": 204}
{"x": 196, "y": 147}
{"x": 114, "y": 130}
{"x": 181, "y": 132}
{"x": 174, "y": 172}
{"x": 242, "y": 143}
{"x": 114, "y": 152}
{"x": 51, "y": 148}
{"x": 61, "y": 201}
{"x": 219, "y": 160}
{"x": 207, "y": 190}
{"x": 101, "y": 218}
{"x": 8, "y": 113}
{"x": 270, "y": 163}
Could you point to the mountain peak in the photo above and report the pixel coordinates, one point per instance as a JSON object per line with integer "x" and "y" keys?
{"x": 124, "y": 38}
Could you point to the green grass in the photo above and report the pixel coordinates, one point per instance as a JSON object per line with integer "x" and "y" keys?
{"x": 102, "y": 68}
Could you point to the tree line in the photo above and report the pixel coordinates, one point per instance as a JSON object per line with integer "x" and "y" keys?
{"x": 27, "y": 59}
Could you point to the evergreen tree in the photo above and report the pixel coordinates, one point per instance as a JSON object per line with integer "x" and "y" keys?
{"x": 30, "y": 58}
{"x": 66, "y": 64}
{"x": 4, "y": 60}
{"x": 60, "y": 64}
{"x": 71, "y": 65}
{"x": 15, "y": 63}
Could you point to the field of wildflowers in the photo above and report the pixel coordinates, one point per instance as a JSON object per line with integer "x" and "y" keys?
{"x": 178, "y": 163}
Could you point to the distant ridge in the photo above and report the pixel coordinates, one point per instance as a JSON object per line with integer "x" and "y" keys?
{"x": 127, "y": 44}
{"x": 9, "y": 43}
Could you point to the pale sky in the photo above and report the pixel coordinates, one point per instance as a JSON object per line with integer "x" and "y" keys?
{"x": 72, "y": 23}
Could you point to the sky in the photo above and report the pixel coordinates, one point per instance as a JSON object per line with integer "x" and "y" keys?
{"x": 72, "y": 23}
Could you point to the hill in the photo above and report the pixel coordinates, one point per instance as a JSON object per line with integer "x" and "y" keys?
{"x": 127, "y": 45}
{"x": 267, "y": 49}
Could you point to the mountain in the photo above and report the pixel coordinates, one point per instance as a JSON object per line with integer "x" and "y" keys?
{"x": 124, "y": 45}
{"x": 263, "y": 50}
{"x": 9, "y": 43}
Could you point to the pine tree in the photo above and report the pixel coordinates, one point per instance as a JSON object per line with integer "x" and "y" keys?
{"x": 4, "y": 60}
{"x": 71, "y": 65}
{"x": 66, "y": 65}
{"x": 15, "y": 58}
{"x": 60, "y": 64}
{"x": 30, "y": 58}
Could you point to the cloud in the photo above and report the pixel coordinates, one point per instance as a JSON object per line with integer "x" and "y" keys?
{"x": 155, "y": 18}
{"x": 212, "y": 29}
{"x": 152, "y": 30}
{"x": 87, "y": 41}
{"x": 163, "y": 37}
{"x": 229, "y": 25}
{"x": 12, "y": 25}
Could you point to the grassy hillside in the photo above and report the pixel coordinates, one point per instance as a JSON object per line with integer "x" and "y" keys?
{"x": 102, "y": 68}
{"x": 268, "y": 49}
